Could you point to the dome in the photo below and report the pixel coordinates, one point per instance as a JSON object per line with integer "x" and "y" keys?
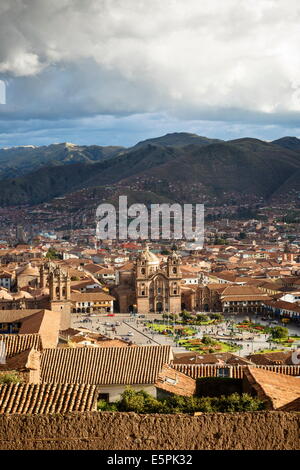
{"x": 150, "y": 257}
{"x": 22, "y": 294}
{"x": 5, "y": 295}
{"x": 40, "y": 292}
{"x": 29, "y": 270}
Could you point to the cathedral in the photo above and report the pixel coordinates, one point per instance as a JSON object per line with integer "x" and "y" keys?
{"x": 150, "y": 286}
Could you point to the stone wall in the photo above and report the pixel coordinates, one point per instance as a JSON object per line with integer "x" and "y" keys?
{"x": 114, "y": 431}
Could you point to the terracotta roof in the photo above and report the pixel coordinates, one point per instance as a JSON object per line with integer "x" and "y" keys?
{"x": 208, "y": 370}
{"x": 92, "y": 268}
{"x": 91, "y": 297}
{"x": 217, "y": 287}
{"x": 106, "y": 271}
{"x": 284, "y": 357}
{"x": 9, "y": 316}
{"x": 69, "y": 332}
{"x": 197, "y": 358}
{"x": 47, "y": 398}
{"x": 245, "y": 298}
{"x": 15, "y": 344}
{"x": 276, "y": 389}
{"x": 281, "y": 304}
{"x": 242, "y": 291}
{"x": 46, "y": 323}
{"x": 25, "y": 360}
{"x": 173, "y": 381}
{"x": 126, "y": 267}
{"x": 236, "y": 371}
{"x": 104, "y": 366}
{"x": 292, "y": 406}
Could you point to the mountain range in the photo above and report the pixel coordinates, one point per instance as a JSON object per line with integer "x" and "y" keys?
{"x": 178, "y": 167}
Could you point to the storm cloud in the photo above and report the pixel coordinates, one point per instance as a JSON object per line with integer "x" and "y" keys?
{"x": 229, "y": 61}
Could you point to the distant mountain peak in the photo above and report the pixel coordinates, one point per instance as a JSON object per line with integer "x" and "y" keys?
{"x": 63, "y": 144}
{"x": 69, "y": 144}
{"x": 288, "y": 142}
{"x": 178, "y": 139}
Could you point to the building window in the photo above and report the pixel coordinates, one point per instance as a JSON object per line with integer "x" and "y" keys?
{"x": 224, "y": 372}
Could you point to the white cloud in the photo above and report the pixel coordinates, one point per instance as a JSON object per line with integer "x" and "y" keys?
{"x": 191, "y": 58}
{"x": 2, "y": 92}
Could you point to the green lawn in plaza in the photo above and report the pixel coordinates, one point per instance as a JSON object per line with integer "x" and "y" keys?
{"x": 215, "y": 347}
{"x": 264, "y": 351}
{"x": 252, "y": 327}
{"x": 286, "y": 342}
{"x": 171, "y": 330}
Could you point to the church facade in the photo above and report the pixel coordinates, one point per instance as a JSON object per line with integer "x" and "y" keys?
{"x": 150, "y": 286}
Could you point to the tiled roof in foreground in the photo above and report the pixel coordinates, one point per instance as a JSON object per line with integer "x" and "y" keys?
{"x": 235, "y": 371}
{"x": 46, "y": 398}
{"x": 15, "y": 344}
{"x": 104, "y": 366}
{"x": 276, "y": 389}
{"x": 292, "y": 406}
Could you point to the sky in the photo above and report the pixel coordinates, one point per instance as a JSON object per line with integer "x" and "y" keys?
{"x": 114, "y": 72}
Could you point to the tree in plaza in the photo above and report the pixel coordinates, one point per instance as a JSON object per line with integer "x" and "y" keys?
{"x": 208, "y": 340}
{"x": 185, "y": 315}
{"x": 175, "y": 317}
{"x": 201, "y": 317}
{"x": 279, "y": 332}
{"x": 216, "y": 316}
